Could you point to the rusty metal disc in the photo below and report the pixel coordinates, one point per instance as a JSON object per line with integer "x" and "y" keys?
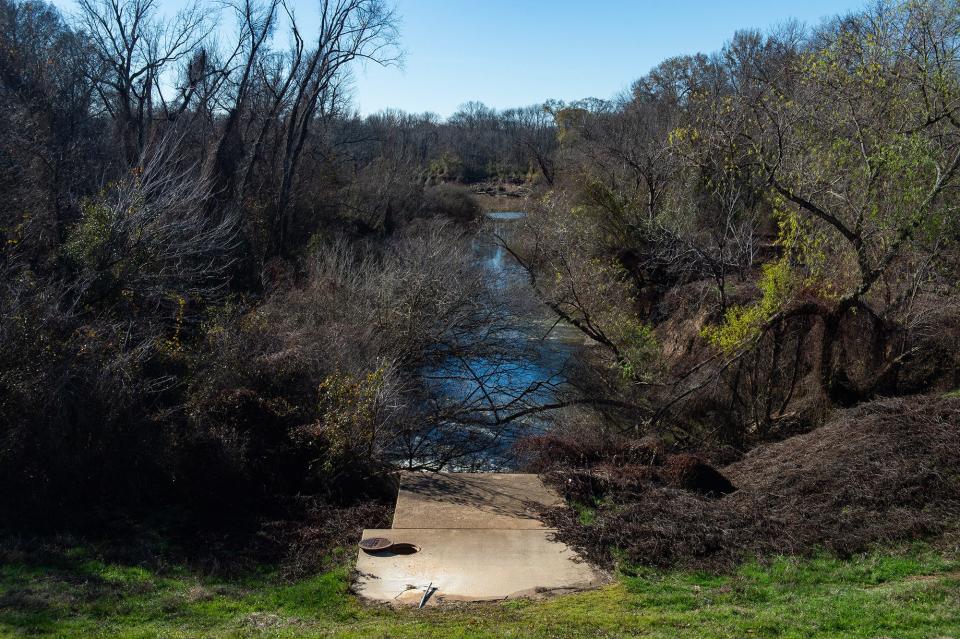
{"x": 375, "y": 544}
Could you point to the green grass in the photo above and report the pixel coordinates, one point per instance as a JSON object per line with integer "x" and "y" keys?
{"x": 586, "y": 515}
{"x": 910, "y": 593}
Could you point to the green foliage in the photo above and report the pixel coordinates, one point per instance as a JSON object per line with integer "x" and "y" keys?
{"x": 446, "y": 167}
{"x": 586, "y": 515}
{"x": 742, "y": 324}
{"x": 801, "y": 266}
{"x": 908, "y": 166}
{"x": 106, "y": 237}
{"x": 89, "y": 238}
{"x": 568, "y": 120}
{"x": 638, "y": 346}
{"x": 613, "y": 212}
{"x": 872, "y": 151}
{"x": 347, "y": 423}
{"x": 607, "y": 298}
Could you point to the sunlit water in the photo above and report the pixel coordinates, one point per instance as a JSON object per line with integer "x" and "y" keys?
{"x": 526, "y": 370}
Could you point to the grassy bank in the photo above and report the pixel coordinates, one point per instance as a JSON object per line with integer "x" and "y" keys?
{"x": 910, "y": 593}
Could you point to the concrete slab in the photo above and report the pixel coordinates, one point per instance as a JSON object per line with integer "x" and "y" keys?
{"x": 471, "y": 500}
{"x": 471, "y": 565}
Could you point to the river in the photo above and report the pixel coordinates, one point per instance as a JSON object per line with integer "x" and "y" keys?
{"x": 521, "y": 363}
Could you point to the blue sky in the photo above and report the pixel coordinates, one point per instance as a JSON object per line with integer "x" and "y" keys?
{"x": 510, "y": 53}
{"x": 517, "y": 52}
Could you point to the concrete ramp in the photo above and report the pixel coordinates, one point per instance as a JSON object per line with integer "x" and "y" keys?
{"x": 474, "y": 537}
{"x": 471, "y": 500}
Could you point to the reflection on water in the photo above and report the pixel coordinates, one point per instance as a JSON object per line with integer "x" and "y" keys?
{"x": 506, "y": 215}
{"x": 504, "y": 271}
{"x": 520, "y": 366}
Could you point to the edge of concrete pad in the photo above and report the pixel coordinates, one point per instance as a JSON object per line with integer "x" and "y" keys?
{"x": 471, "y": 501}
{"x": 472, "y": 566}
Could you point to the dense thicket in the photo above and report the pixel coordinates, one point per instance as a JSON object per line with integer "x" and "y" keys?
{"x": 222, "y": 287}
{"x": 756, "y": 236}
{"x": 878, "y": 474}
{"x": 754, "y": 239}
{"x": 219, "y": 282}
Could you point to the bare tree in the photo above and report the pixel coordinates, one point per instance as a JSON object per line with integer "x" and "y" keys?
{"x": 256, "y": 24}
{"x": 535, "y": 132}
{"x": 136, "y": 48}
{"x": 148, "y": 237}
{"x": 349, "y": 30}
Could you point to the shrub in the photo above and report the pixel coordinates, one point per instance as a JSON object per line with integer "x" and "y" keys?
{"x": 691, "y": 473}
{"x": 883, "y": 472}
{"x": 452, "y": 201}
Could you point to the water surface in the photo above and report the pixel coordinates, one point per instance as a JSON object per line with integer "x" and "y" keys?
{"x": 521, "y": 365}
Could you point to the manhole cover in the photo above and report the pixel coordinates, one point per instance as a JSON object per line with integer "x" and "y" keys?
{"x": 375, "y": 544}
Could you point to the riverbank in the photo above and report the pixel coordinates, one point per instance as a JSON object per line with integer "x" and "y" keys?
{"x": 71, "y": 590}
{"x": 494, "y": 197}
